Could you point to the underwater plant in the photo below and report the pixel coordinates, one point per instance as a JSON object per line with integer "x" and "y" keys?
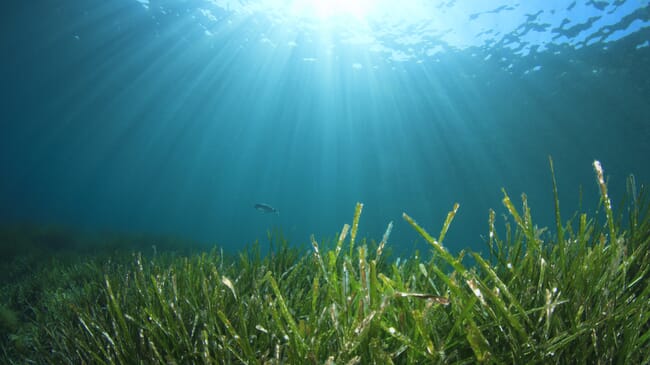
{"x": 579, "y": 296}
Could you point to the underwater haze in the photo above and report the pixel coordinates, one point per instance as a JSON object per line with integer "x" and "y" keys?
{"x": 177, "y": 117}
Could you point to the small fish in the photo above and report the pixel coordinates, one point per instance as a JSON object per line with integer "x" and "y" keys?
{"x": 429, "y": 297}
{"x": 265, "y": 208}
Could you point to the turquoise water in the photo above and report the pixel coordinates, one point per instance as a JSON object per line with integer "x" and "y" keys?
{"x": 176, "y": 117}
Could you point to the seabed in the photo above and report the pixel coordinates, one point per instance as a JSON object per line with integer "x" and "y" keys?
{"x": 579, "y": 295}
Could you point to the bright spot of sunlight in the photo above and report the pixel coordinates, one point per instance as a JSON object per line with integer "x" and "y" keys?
{"x": 325, "y": 9}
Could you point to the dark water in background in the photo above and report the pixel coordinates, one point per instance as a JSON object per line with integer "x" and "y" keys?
{"x": 175, "y": 117}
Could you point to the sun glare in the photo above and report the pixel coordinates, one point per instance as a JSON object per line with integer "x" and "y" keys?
{"x": 325, "y": 9}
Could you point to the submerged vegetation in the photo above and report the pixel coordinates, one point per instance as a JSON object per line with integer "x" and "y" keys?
{"x": 579, "y": 296}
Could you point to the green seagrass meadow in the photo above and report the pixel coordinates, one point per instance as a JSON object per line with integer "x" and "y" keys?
{"x": 578, "y": 295}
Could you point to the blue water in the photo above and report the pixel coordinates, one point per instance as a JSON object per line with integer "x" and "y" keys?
{"x": 176, "y": 117}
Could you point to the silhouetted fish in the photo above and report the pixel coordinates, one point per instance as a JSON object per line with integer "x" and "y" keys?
{"x": 265, "y": 208}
